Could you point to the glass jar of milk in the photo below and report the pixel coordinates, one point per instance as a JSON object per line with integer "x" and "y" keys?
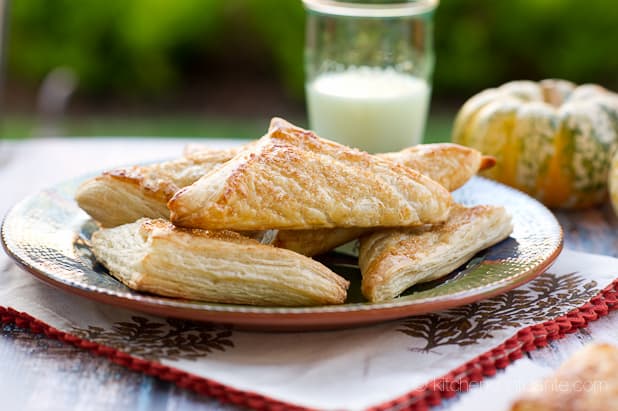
{"x": 368, "y": 68}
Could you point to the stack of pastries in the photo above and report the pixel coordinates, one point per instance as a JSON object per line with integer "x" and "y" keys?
{"x": 241, "y": 225}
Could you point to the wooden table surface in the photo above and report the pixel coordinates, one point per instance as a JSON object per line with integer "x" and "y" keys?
{"x": 38, "y": 373}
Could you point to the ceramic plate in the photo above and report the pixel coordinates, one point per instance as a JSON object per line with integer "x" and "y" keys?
{"x": 47, "y": 234}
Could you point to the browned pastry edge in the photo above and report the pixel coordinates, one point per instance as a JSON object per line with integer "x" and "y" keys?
{"x": 487, "y": 162}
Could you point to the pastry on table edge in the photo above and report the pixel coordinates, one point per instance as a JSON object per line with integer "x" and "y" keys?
{"x": 587, "y": 381}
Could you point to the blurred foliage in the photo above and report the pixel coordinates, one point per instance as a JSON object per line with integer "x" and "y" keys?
{"x": 138, "y": 45}
{"x": 486, "y": 42}
{"x": 148, "y": 48}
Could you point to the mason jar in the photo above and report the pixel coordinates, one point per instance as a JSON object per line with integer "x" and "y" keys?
{"x": 368, "y": 68}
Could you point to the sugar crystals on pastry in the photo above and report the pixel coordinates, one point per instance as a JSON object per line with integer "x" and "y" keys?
{"x": 393, "y": 260}
{"x": 448, "y": 164}
{"x": 451, "y": 165}
{"x": 293, "y": 179}
{"x": 217, "y": 266}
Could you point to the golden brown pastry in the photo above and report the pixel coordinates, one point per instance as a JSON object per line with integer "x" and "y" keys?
{"x": 395, "y": 259}
{"x": 588, "y": 381}
{"x": 154, "y": 256}
{"x": 124, "y": 195}
{"x": 451, "y": 165}
{"x": 292, "y": 179}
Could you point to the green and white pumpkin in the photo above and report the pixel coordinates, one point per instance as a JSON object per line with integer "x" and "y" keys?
{"x": 551, "y": 139}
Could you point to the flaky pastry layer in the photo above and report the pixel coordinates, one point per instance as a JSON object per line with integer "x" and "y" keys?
{"x": 293, "y": 179}
{"x": 451, "y": 165}
{"x": 588, "y": 381}
{"x": 216, "y": 266}
{"x": 393, "y": 260}
{"x": 124, "y": 195}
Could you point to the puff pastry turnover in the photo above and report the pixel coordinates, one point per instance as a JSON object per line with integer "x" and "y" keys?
{"x": 393, "y": 260}
{"x": 588, "y": 381}
{"x": 293, "y": 179}
{"x": 124, "y": 195}
{"x": 451, "y": 165}
{"x": 154, "y": 256}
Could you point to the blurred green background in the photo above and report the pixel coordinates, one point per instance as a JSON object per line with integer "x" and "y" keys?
{"x": 223, "y": 67}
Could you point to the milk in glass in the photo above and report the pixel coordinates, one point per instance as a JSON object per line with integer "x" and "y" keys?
{"x": 374, "y": 109}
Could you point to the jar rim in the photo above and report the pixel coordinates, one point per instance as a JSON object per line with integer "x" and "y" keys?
{"x": 399, "y": 9}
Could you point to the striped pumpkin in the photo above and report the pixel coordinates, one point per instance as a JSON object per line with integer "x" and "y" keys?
{"x": 552, "y": 139}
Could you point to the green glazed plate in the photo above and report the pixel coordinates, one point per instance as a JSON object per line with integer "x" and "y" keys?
{"x": 47, "y": 234}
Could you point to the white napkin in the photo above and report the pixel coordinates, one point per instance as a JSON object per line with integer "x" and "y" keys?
{"x": 347, "y": 369}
